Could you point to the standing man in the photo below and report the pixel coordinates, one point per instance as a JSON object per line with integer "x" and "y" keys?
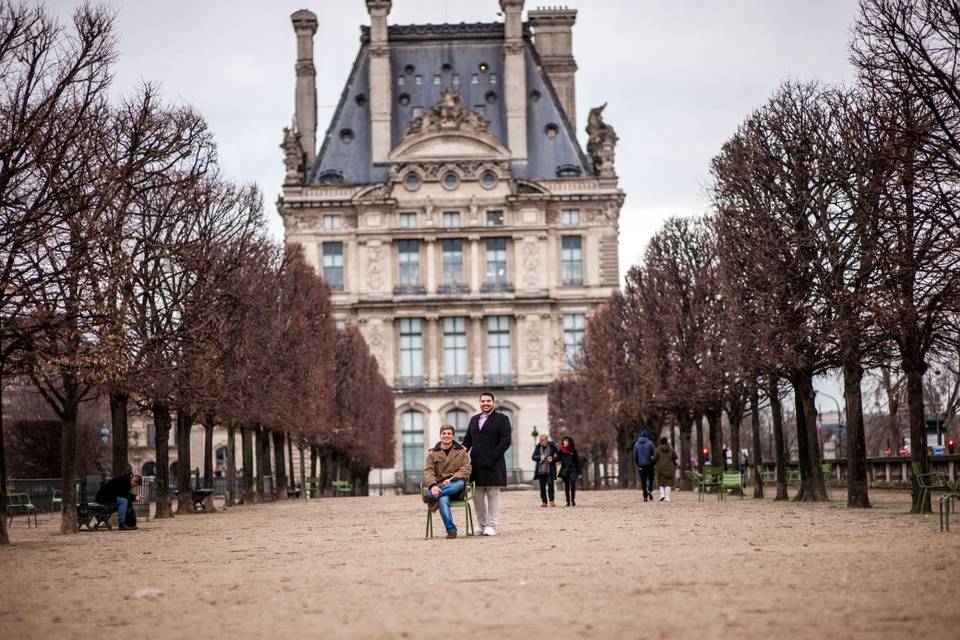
{"x": 488, "y": 438}
{"x": 643, "y": 457}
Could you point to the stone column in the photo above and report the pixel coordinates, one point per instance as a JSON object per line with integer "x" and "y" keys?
{"x": 305, "y": 114}
{"x": 431, "y": 343}
{"x": 515, "y": 79}
{"x": 380, "y": 79}
{"x": 553, "y": 38}
{"x": 431, "y": 266}
{"x": 476, "y": 330}
{"x": 474, "y": 264}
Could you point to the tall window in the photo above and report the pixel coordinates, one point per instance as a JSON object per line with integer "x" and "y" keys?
{"x": 409, "y": 262}
{"x": 494, "y": 218}
{"x": 496, "y": 261}
{"x": 572, "y": 258}
{"x": 455, "y": 350}
{"x": 411, "y": 430}
{"x": 498, "y": 349}
{"x": 333, "y": 264}
{"x": 451, "y": 218}
{"x": 408, "y": 220}
{"x": 452, "y": 262}
{"x": 458, "y": 419}
{"x": 573, "y": 325}
{"x": 411, "y": 352}
{"x": 570, "y": 216}
{"x": 331, "y": 222}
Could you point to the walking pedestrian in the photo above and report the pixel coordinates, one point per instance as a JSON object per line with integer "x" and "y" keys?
{"x": 642, "y": 456}
{"x": 545, "y": 454}
{"x": 664, "y": 460}
{"x": 569, "y": 470}
{"x": 488, "y": 438}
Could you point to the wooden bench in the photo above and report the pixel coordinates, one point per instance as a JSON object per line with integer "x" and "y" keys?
{"x": 91, "y": 514}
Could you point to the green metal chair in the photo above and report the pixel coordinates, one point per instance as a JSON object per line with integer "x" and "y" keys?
{"x": 767, "y": 478}
{"x": 464, "y": 503}
{"x": 731, "y": 480}
{"x": 19, "y": 504}
{"x": 933, "y": 481}
{"x": 827, "y": 469}
{"x": 56, "y": 500}
{"x": 696, "y": 479}
{"x": 946, "y": 504}
{"x": 713, "y": 478}
{"x": 340, "y": 487}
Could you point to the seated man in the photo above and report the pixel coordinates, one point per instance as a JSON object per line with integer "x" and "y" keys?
{"x": 445, "y": 474}
{"x": 119, "y": 490}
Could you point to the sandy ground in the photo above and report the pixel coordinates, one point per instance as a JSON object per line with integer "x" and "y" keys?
{"x": 611, "y": 567}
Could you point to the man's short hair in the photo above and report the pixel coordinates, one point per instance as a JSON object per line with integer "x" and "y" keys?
{"x": 136, "y": 477}
{"x": 447, "y": 427}
{"x": 489, "y": 393}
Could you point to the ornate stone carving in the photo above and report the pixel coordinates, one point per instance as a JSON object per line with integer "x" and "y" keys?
{"x": 293, "y": 156}
{"x": 375, "y": 340}
{"x": 603, "y": 140}
{"x": 448, "y": 114}
{"x": 534, "y": 345}
{"x": 530, "y": 258}
{"x": 375, "y": 267}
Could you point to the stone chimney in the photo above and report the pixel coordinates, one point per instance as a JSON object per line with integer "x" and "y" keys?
{"x": 305, "y": 113}
{"x": 554, "y": 42}
{"x": 380, "y": 87}
{"x": 515, "y": 78}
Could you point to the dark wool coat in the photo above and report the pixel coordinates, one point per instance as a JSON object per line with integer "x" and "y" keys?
{"x": 118, "y": 487}
{"x": 663, "y": 461}
{"x": 569, "y": 465}
{"x": 552, "y": 452}
{"x": 487, "y": 447}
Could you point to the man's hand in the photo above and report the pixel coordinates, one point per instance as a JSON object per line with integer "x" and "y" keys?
{"x": 139, "y": 498}
{"x": 435, "y": 490}
{"x": 446, "y": 482}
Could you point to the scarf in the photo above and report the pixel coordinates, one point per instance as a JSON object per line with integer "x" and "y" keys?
{"x": 565, "y": 448}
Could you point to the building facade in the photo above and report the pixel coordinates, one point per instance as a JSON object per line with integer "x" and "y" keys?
{"x": 457, "y": 219}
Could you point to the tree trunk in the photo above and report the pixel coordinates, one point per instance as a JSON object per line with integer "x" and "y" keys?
{"x": 184, "y": 468}
{"x": 68, "y": 465}
{"x": 291, "y": 478}
{"x": 161, "y": 421}
{"x": 735, "y": 415}
{"x": 918, "y": 430}
{"x": 208, "y": 460}
{"x": 279, "y": 454}
{"x": 231, "y": 498}
{"x": 812, "y": 488}
{"x": 303, "y": 473}
{"x": 314, "y": 454}
{"x": 4, "y": 536}
{"x": 713, "y": 427}
{"x": 120, "y": 432}
{"x": 686, "y": 429}
{"x": 757, "y": 458}
{"x": 698, "y": 423}
{"x": 246, "y": 446}
{"x": 263, "y": 465}
{"x": 856, "y": 440}
{"x": 780, "y": 451}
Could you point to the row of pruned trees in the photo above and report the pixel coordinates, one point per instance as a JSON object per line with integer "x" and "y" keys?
{"x": 832, "y": 246}
{"x": 132, "y": 268}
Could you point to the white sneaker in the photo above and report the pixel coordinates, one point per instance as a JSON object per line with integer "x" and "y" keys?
{"x": 489, "y": 531}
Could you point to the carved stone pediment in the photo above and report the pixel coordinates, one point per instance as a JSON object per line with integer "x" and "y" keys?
{"x": 449, "y": 130}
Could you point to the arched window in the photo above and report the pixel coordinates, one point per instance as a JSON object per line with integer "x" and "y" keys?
{"x": 459, "y": 419}
{"x": 149, "y": 469}
{"x": 411, "y": 431}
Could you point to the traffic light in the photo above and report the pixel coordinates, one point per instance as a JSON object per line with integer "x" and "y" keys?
{"x": 951, "y": 446}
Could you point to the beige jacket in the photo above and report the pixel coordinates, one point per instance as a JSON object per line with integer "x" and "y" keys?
{"x": 439, "y": 466}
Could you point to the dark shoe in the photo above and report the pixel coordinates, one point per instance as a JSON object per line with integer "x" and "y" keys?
{"x": 543, "y": 505}
{"x": 573, "y": 504}
{"x": 124, "y": 527}
{"x": 552, "y": 503}
{"x": 451, "y": 535}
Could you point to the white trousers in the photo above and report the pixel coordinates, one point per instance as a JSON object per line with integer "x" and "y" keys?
{"x": 486, "y": 502}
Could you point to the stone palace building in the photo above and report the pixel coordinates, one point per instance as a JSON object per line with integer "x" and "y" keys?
{"x": 456, "y": 217}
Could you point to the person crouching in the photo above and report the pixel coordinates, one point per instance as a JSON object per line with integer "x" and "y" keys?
{"x": 446, "y": 472}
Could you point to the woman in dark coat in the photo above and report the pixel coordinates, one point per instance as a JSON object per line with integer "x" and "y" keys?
{"x": 664, "y": 465}
{"x": 569, "y": 470}
{"x": 545, "y": 454}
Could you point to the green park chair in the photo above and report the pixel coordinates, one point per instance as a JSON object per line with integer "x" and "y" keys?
{"x": 713, "y": 478}
{"x": 463, "y": 502}
{"x": 933, "y": 481}
{"x": 767, "y": 478}
{"x": 696, "y": 479}
{"x": 946, "y": 504}
{"x": 731, "y": 480}
{"x": 56, "y": 500}
{"x": 827, "y": 469}
{"x": 340, "y": 487}
{"x": 19, "y": 504}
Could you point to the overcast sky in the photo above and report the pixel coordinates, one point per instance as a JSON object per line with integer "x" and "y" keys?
{"x": 679, "y": 75}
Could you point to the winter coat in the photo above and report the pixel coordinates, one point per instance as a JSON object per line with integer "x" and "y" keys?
{"x": 487, "y": 447}
{"x": 664, "y": 467}
{"x": 441, "y": 465}
{"x": 118, "y": 487}
{"x": 643, "y": 450}
{"x": 552, "y": 452}
{"x": 569, "y": 465}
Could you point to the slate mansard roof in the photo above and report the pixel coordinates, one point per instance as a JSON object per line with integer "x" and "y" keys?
{"x": 430, "y": 58}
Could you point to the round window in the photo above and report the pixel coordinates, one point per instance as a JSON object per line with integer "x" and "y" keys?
{"x": 404, "y": 99}
{"x": 346, "y": 136}
{"x": 360, "y": 99}
{"x": 408, "y": 69}
{"x": 412, "y": 182}
{"x": 491, "y": 97}
{"x": 446, "y": 68}
{"x": 534, "y": 96}
{"x": 483, "y": 66}
{"x": 488, "y": 179}
{"x": 551, "y": 130}
{"x": 450, "y": 181}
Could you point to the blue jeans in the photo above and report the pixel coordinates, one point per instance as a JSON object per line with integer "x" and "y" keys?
{"x": 446, "y": 514}
{"x": 123, "y": 504}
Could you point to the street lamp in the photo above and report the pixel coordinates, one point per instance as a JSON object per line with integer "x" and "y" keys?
{"x": 535, "y": 434}
{"x": 840, "y": 425}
